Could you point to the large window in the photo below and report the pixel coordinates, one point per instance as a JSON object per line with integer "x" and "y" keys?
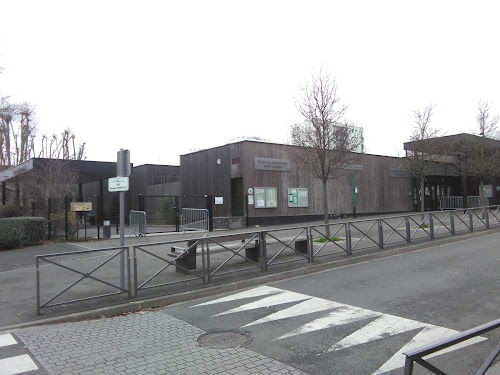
{"x": 266, "y": 197}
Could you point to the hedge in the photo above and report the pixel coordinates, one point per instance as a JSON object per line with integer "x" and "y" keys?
{"x": 21, "y": 231}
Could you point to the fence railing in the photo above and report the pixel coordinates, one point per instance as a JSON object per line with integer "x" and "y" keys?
{"x": 194, "y": 219}
{"x": 96, "y": 274}
{"x": 417, "y": 355}
{"x": 210, "y": 259}
{"x": 137, "y": 222}
{"x": 457, "y": 202}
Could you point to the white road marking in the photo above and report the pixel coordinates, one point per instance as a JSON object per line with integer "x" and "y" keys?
{"x": 343, "y": 315}
{"x": 273, "y": 300}
{"x": 17, "y": 365}
{"x": 428, "y": 335}
{"x": 7, "y": 339}
{"x": 307, "y": 307}
{"x": 385, "y": 326}
{"x": 78, "y": 245}
{"x": 256, "y": 292}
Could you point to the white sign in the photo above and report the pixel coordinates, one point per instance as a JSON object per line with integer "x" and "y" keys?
{"x": 219, "y": 200}
{"x": 118, "y": 184}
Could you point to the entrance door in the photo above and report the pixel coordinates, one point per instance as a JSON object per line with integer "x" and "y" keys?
{"x": 237, "y": 196}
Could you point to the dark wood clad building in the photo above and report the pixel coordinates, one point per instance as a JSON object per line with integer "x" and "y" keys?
{"x": 279, "y": 190}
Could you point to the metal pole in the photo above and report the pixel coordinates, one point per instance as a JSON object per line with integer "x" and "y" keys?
{"x": 122, "y": 239}
{"x": 353, "y": 186}
{"x": 48, "y": 220}
{"x": 98, "y": 216}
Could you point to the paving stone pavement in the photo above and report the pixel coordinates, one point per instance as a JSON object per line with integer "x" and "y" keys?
{"x": 150, "y": 342}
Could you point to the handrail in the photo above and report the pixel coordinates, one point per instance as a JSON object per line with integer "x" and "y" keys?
{"x": 416, "y": 355}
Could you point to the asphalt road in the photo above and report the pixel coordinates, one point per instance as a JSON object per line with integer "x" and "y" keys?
{"x": 358, "y": 319}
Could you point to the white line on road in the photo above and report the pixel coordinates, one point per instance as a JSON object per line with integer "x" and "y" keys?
{"x": 383, "y": 326}
{"x": 343, "y": 315}
{"x": 275, "y": 299}
{"x": 6, "y": 340}
{"x": 17, "y": 365}
{"x": 307, "y": 307}
{"x": 78, "y": 245}
{"x": 256, "y": 292}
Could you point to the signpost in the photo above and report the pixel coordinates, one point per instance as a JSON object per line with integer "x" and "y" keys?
{"x": 121, "y": 184}
{"x": 117, "y": 184}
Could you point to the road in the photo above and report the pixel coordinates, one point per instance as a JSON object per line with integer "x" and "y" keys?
{"x": 353, "y": 320}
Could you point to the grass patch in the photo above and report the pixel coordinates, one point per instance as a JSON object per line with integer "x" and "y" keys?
{"x": 324, "y": 239}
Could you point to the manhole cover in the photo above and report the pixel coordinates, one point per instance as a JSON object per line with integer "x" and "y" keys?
{"x": 224, "y": 340}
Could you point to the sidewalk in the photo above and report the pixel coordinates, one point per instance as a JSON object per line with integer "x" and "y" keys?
{"x": 150, "y": 342}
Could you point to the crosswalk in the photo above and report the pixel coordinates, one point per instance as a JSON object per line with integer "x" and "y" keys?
{"x": 13, "y": 357}
{"x": 378, "y": 325}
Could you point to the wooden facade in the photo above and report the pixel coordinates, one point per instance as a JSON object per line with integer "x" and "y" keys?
{"x": 229, "y": 171}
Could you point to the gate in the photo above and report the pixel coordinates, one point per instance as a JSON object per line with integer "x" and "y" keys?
{"x": 194, "y": 220}
{"x": 164, "y": 212}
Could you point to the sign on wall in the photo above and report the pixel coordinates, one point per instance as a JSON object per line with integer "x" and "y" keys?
{"x": 399, "y": 173}
{"x": 267, "y": 164}
{"x": 298, "y": 197}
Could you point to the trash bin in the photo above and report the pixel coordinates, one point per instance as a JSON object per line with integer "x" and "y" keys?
{"x": 106, "y": 229}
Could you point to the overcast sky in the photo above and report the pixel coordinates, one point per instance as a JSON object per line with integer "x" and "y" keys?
{"x": 162, "y": 78}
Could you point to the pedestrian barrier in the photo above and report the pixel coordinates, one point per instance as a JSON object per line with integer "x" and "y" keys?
{"x": 216, "y": 259}
{"x": 107, "y": 281}
{"x": 329, "y": 239}
{"x": 158, "y": 266}
{"x": 285, "y": 247}
{"x": 194, "y": 219}
{"x": 137, "y": 223}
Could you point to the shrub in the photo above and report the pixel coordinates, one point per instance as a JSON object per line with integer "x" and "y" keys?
{"x": 21, "y": 231}
{"x": 168, "y": 210}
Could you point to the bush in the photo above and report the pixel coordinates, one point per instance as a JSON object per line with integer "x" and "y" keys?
{"x": 167, "y": 207}
{"x": 21, "y": 231}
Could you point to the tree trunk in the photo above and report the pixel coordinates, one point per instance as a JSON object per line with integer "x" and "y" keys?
{"x": 325, "y": 208}
{"x": 482, "y": 198}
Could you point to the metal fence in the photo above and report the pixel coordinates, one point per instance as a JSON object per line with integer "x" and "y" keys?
{"x": 137, "y": 222}
{"x": 94, "y": 274}
{"x": 194, "y": 219}
{"x": 217, "y": 259}
{"x": 417, "y": 355}
{"x": 457, "y": 202}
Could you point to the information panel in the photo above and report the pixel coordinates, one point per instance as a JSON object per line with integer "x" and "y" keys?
{"x": 298, "y": 197}
{"x": 266, "y": 197}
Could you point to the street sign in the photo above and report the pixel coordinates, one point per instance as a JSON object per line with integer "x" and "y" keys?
{"x": 81, "y": 206}
{"x": 118, "y": 184}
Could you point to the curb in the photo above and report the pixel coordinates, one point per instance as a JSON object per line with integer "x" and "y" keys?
{"x": 162, "y": 301}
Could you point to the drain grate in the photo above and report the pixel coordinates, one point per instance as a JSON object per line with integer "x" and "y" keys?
{"x": 224, "y": 339}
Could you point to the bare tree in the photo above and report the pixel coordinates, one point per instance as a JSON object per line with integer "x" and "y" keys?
{"x": 24, "y": 137}
{"x": 424, "y": 154}
{"x": 482, "y": 154}
{"x": 7, "y": 115}
{"x": 62, "y": 146}
{"x": 327, "y": 143}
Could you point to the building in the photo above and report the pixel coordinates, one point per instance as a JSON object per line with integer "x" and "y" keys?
{"x": 260, "y": 182}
